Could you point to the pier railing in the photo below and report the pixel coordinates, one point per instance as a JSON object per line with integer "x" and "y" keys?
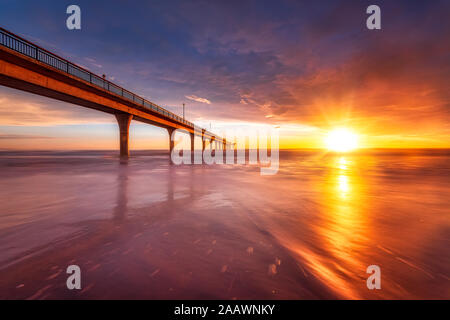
{"x": 31, "y": 50}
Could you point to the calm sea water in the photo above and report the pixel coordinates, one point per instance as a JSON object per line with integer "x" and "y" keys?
{"x": 146, "y": 229}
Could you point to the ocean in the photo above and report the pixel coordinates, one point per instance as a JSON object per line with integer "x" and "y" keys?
{"x": 146, "y": 229}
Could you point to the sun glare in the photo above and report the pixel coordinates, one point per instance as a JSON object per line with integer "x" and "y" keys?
{"x": 341, "y": 140}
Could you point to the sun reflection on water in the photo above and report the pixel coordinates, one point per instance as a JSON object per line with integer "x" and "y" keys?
{"x": 343, "y": 186}
{"x": 342, "y": 176}
{"x": 342, "y": 227}
{"x": 342, "y": 163}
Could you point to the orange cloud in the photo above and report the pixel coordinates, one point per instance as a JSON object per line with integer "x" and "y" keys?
{"x": 198, "y": 99}
{"x": 23, "y": 109}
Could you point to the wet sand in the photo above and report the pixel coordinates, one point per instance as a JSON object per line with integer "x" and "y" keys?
{"x": 147, "y": 230}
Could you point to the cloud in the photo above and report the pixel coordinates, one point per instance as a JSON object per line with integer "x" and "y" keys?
{"x": 23, "y": 109}
{"x": 93, "y": 62}
{"x": 198, "y": 99}
{"x": 22, "y": 136}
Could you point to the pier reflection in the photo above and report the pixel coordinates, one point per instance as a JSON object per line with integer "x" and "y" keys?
{"x": 120, "y": 211}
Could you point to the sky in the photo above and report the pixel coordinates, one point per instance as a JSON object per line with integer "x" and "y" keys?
{"x": 304, "y": 67}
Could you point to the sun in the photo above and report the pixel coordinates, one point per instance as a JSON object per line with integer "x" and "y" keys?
{"x": 341, "y": 140}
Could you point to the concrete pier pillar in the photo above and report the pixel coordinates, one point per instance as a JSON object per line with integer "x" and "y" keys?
{"x": 203, "y": 141}
{"x": 211, "y": 142}
{"x": 257, "y": 149}
{"x": 171, "y": 142}
{"x": 124, "y": 120}
{"x": 224, "y": 151}
{"x": 192, "y": 147}
{"x": 247, "y": 150}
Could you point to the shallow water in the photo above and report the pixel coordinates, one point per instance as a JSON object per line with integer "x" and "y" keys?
{"x": 147, "y": 229}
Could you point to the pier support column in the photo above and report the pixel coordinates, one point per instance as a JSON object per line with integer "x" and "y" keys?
{"x": 192, "y": 147}
{"x": 124, "y": 120}
{"x": 203, "y": 140}
{"x": 257, "y": 149}
{"x": 247, "y": 150}
{"x": 224, "y": 151}
{"x": 171, "y": 142}
{"x": 203, "y": 143}
{"x": 211, "y": 142}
